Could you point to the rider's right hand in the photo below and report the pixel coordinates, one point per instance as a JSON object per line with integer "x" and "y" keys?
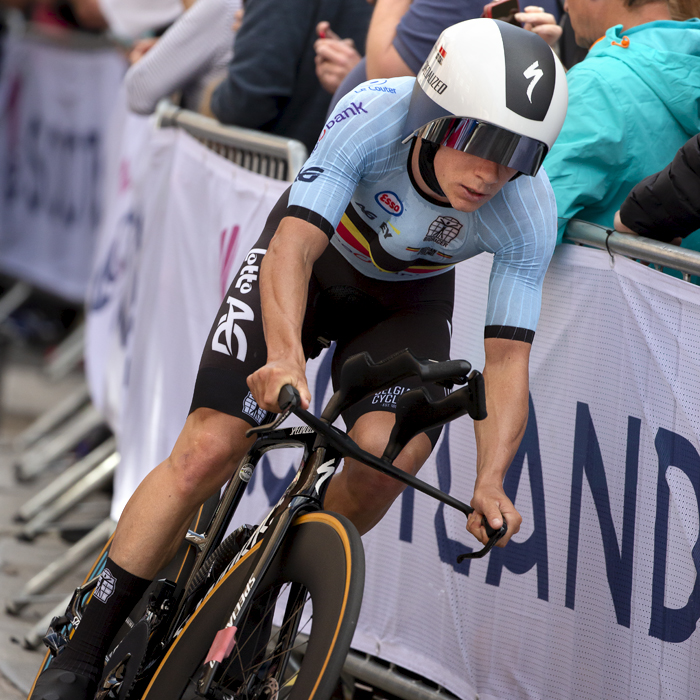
{"x": 265, "y": 384}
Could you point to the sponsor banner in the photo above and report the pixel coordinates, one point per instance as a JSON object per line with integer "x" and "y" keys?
{"x": 137, "y": 168}
{"x": 54, "y": 107}
{"x": 211, "y": 211}
{"x": 597, "y": 596}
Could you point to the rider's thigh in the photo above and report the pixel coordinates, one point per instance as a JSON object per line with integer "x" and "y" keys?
{"x": 371, "y": 432}
{"x": 208, "y": 449}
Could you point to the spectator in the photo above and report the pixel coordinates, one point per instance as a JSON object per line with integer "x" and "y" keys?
{"x": 335, "y": 57}
{"x": 402, "y": 33}
{"x": 632, "y": 103}
{"x": 193, "y": 52}
{"x": 666, "y": 206}
{"x": 271, "y": 82}
{"x": 130, "y": 19}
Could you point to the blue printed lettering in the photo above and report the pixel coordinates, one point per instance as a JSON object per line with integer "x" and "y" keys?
{"x": 353, "y": 110}
{"x": 667, "y": 624}
{"x": 520, "y": 557}
{"x": 618, "y": 560}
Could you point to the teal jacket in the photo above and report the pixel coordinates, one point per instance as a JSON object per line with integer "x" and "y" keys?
{"x": 630, "y": 110}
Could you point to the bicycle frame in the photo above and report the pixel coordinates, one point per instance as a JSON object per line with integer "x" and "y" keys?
{"x": 304, "y": 494}
{"x": 324, "y": 447}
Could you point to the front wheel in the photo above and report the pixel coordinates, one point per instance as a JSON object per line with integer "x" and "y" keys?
{"x": 316, "y": 581}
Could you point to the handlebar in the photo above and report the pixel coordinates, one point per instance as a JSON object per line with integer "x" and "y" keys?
{"x": 290, "y": 402}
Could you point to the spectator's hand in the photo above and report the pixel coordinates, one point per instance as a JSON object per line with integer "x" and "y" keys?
{"x": 619, "y": 226}
{"x": 141, "y": 48}
{"x": 536, "y": 20}
{"x": 335, "y": 57}
{"x": 238, "y": 19}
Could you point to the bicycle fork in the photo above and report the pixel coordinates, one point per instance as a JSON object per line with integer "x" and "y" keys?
{"x": 305, "y": 494}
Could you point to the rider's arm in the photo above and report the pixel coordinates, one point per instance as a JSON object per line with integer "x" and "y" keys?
{"x": 520, "y": 230}
{"x": 499, "y": 435}
{"x": 284, "y": 281}
{"x": 383, "y": 60}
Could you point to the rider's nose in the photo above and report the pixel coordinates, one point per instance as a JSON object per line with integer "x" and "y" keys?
{"x": 488, "y": 172}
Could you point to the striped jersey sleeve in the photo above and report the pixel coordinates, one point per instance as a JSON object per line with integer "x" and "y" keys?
{"x": 195, "y": 48}
{"x": 357, "y": 143}
{"x": 520, "y": 228}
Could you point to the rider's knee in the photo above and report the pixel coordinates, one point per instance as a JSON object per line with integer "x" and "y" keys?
{"x": 376, "y": 485}
{"x": 205, "y": 454}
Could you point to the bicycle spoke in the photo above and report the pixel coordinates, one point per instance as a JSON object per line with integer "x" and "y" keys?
{"x": 268, "y": 685}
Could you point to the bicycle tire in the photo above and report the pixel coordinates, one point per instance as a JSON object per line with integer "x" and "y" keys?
{"x": 323, "y": 553}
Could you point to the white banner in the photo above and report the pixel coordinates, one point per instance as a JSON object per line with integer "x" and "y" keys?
{"x": 208, "y": 210}
{"x": 54, "y": 107}
{"x": 598, "y": 595}
{"x": 137, "y": 174}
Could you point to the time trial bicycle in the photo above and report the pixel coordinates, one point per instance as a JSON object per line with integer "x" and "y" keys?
{"x": 268, "y": 613}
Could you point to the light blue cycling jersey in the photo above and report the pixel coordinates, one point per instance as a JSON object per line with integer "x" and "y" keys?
{"x": 357, "y": 186}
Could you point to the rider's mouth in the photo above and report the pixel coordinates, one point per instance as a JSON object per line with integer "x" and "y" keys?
{"x": 474, "y": 195}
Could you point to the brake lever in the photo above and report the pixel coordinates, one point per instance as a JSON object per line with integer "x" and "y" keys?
{"x": 497, "y": 534}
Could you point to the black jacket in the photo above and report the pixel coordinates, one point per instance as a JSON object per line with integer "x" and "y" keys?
{"x": 271, "y": 83}
{"x": 666, "y": 205}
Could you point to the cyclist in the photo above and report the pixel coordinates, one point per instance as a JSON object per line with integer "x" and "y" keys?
{"x": 409, "y": 177}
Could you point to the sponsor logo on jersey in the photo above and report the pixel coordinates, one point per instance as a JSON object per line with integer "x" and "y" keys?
{"x": 440, "y": 55}
{"x": 385, "y": 229}
{"x": 369, "y": 214}
{"x": 443, "y": 230}
{"x": 380, "y": 86}
{"x": 389, "y": 201}
{"x": 428, "y": 251}
{"x": 387, "y": 398}
{"x": 353, "y": 110}
{"x": 533, "y": 73}
{"x": 308, "y": 174}
{"x": 433, "y": 81}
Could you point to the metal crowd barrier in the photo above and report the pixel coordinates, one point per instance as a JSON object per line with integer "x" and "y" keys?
{"x": 687, "y": 262}
{"x": 266, "y": 154}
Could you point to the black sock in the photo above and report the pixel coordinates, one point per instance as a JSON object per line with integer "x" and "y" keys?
{"x": 115, "y": 595}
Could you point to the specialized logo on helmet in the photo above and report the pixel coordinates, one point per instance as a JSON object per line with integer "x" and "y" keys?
{"x": 443, "y": 230}
{"x": 390, "y": 202}
{"x": 440, "y": 55}
{"x": 227, "y": 328}
{"x": 529, "y": 62}
{"x": 533, "y": 73}
{"x": 432, "y": 80}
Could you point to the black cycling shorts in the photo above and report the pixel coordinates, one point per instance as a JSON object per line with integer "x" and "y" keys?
{"x": 359, "y": 313}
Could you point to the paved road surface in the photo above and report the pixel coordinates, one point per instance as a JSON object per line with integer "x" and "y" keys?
{"x": 26, "y": 394}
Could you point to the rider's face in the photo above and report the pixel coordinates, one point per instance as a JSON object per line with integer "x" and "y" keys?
{"x": 469, "y": 181}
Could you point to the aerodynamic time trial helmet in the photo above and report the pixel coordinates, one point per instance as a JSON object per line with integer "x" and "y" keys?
{"x": 493, "y": 90}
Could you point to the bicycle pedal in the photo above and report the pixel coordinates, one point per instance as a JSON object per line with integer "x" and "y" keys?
{"x": 54, "y": 639}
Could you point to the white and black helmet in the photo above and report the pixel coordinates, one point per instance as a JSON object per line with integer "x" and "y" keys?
{"x": 493, "y": 90}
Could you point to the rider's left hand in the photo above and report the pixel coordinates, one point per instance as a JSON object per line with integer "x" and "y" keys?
{"x": 491, "y": 501}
